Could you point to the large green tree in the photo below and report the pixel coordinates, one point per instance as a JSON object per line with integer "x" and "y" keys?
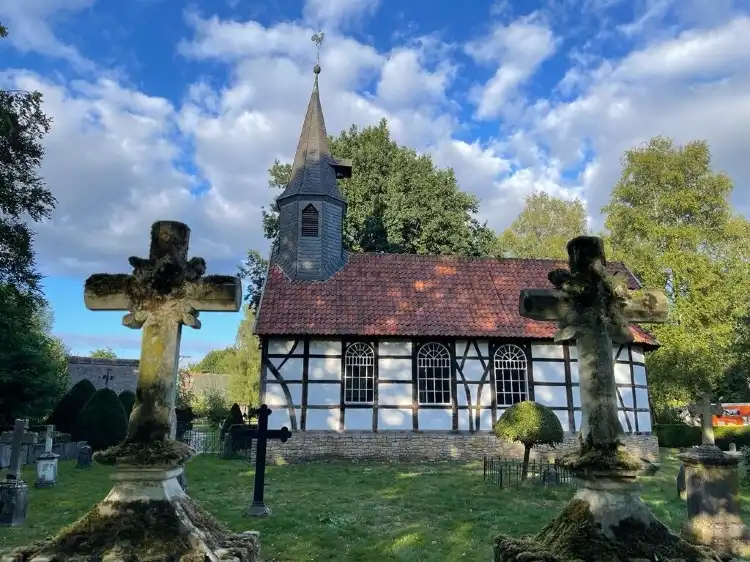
{"x": 543, "y": 228}
{"x": 23, "y": 194}
{"x": 398, "y": 202}
{"x": 33, "y": 364}
{"x": 669, "y": 219}
{"x": 103, "y": 353}
{"x": 244, "y": 363}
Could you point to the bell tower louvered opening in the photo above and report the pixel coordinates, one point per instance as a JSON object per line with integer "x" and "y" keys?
{"x": 310, "y": 221}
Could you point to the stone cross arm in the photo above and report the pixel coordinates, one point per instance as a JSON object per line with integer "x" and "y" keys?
{"x": 213, "y": 293}
{"x": 649, "y": 306}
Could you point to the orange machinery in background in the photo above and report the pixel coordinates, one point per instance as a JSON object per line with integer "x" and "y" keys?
{"x": 734, "y": 414}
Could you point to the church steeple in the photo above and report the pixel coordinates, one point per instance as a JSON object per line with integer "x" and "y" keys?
{"x": 311, "y": 207}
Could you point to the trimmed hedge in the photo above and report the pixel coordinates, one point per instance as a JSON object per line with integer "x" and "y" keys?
{"x": 127, "y": 397}
{"x": 679, "y": 435}
{"x": 102, "y": 421}
{"x": 66, "y": 412}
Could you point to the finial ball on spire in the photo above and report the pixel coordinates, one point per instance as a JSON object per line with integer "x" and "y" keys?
{"x": 316, "y": 69}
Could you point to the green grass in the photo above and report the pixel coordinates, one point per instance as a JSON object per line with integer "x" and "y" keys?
{"x": 358, "y": 512}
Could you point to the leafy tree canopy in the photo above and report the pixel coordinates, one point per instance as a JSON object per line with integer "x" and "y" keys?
{"x": 103, "y": 353}
{"x": 529, "y": 423}
{"x": 670, "y": 220}
{"x": 22, "y": 191}
{"x": 543, "y": 228}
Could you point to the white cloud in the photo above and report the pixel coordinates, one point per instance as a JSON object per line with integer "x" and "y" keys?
{"x": 335, "y": 14}
{"x": 517, "y": 49}
{"x": 30, "y": 27}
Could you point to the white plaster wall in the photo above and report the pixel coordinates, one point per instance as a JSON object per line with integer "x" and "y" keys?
{"x": 291, "y": 370}
{"x": 622, "y": 415}
{"x": 324, "y": 394}
{"x": 394, "y": 419}
{"x": 627, "y": 396}
{"x": 280, "y": 418}
{"x": 279, "y": 346}
{"x": 394, "y": 394}
{"x": 577, "y": 417}
{"x": 562, "y": 415}
{"x": 549, "y": 371}
{"x": 358, "y": 419}
{"x": 435, "y": 419}
{"x": 637, "y": 354}
{"x": 473, "y": 370}
{"x": 622, "y": 373}
{"x": 552, "y": 396}
{"x": 576, "y": 391}
{"x": 394, "y": 369}
{"x": 644, "y": 422}
{"x": 327, "y": 420}
{"x": 639, "y": 374}
{"x": 395, "y": 347}
{"x": 319, "y": 368}
{"x": 463, "y": 419}
{"x": 574, "y": 375}
{"x": 325, "y": 347}
{"x": 641, "y": 398}
{"x": 547, "y": 351}
{"x": 472, "y": 352}
{"x": 461, "y": 390}
{"x": 485, "y": 419}
{"x": 275, "y": 394}
{"x": 485, "y": 397}
{"x": 572, "y": 351}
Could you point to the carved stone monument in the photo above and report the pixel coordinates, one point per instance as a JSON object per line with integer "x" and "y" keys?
{"x": 606, "y": 519}
{"x": 46, "y": 463}
{"x": 155, "y": 518}
{"x": 14, "y": 493}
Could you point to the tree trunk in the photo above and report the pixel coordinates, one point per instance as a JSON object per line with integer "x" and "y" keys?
{"x": 525, "y": 469}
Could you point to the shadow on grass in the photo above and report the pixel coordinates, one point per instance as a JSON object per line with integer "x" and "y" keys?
{"x": 364, "y": 512}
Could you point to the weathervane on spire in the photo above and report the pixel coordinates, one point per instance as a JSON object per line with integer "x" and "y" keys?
{"x": 318, "y": 40}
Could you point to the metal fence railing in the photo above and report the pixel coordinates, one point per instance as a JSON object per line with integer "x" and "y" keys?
{"x": 507, "y": 473}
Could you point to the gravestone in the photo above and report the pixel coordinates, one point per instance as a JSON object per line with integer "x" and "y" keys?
{"x": 733, "y": 447}
{"x": 261, "y": 434}
{"x": 46, "y": 463}
{"x": 704, "y": 410}
{"x": 85, "y": 455}
{"x": 14, "y": 493}
{"x": 164, "y": 292}
{"x": 606, "y": 519}
{"x": 681, "y": 485}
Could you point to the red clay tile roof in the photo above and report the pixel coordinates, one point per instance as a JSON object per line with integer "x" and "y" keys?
{"x": 414, "y": 295}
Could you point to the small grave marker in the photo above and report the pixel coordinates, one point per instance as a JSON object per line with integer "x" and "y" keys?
{"x": 261, "y": 434}
{"x": 85, "y": 456}
{"x": 46, "y": 463}
{"x": 14, "y": 493}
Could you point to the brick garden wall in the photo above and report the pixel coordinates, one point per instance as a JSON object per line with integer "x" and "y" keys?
{"x": 409, "y": 446}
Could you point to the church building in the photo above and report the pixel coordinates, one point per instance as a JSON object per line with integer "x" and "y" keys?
{"x": 357, "y": 346}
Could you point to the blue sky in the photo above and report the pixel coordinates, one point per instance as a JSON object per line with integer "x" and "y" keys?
{"x": 164, "y": 110}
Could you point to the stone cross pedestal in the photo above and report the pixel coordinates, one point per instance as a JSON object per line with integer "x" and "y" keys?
{"x": 713, "y": 500}
{"x": 164, "y": 292}
{"x": 606, "y": 519}
{"x": 46, "y": 463}
{"x": 707, "y": 420}
{"x": 14, "y": 492}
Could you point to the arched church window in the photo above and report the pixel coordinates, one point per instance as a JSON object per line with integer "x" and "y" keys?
{"x": 359, "y": 374}
{"x": 310, "y": 221}
{"x": 434, "y": 374}
{"x": 511, "y": 375}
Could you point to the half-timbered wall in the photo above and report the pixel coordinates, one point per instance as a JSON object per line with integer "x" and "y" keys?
{"x": 433, "y": 385}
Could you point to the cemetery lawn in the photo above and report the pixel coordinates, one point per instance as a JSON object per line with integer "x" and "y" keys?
{"x": 358, "y": 512}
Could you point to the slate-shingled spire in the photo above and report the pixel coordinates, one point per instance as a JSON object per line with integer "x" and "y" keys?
{"x": 311, "y": 207}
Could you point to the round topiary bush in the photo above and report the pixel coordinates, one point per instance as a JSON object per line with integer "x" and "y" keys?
{"x": 102, "y": 421}
{"x": 70, "y": 405}
{"x": 530, "y": 424}
{"x": 127, "y": 397}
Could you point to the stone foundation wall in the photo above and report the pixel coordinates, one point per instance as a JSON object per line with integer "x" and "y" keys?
{"x": 396, "y": 446}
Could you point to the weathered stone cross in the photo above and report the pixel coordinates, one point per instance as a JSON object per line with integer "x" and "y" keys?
{"x": 164, "y": 292}
{"x": 594, "y": 308}
{"x": 707, "y": 420}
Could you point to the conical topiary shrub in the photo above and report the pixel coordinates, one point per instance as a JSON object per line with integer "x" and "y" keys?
{"x": 127, "y": 397}
{"x": 70, "y": 405}
{"x": 102, "y": 421}
{"x": 234, "y": 418}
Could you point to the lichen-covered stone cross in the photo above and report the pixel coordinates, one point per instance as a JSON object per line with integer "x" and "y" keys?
{"x": 594, "y": 308}
{"x": 165, "y": 291}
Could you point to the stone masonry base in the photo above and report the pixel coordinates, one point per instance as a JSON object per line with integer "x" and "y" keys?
{"x": 408, "y": 446}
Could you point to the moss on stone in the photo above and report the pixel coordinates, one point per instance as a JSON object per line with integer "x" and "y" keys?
{"x": 102, "y": 284}
{"x": 608, "y": 459}
{"x": 166, "y": 452}
{"x": 141, "y": 531}
{"x": 574, "y": 536}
